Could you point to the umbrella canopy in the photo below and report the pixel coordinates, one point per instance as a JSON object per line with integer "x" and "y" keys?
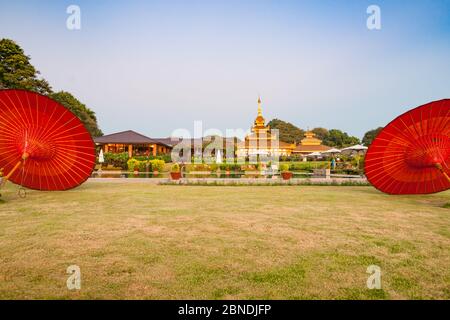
{"x": 411, "y": 155}
{"x": 43, "y": 145}
{"x": 355, "y": 148}
{"x": 331, "y": 151}
{"x": 356, "y": 151}
{"x": 314, "y": 154}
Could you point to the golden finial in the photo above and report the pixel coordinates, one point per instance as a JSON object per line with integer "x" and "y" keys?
{"x": 259, "y": 107}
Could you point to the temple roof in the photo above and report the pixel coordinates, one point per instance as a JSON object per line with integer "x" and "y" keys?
{"x": 310, "y": 139}
{"x": 260, "y": 119}
{"x": 311, "y": 148}
{"x": 127, "y": 137}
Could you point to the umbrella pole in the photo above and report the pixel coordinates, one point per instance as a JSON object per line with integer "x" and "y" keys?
{"x": 5, "y": 179}
{"x": 439, "y": 166}
{"x": 18, "y": 164}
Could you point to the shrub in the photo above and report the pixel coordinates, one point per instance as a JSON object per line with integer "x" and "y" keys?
{"x": 229, "y": 166}
{"x": 144, "y": 166}
{"x": 201, "y": 167}
{"x": 284, "y": 167}
{"x": 118, "y": 160}
{"x": 307, "y": 166}
{"x": 132, "y": 164}
{"x": 175, "y": 168}
{"x": 157, "y": 165}
{"x": 305, "y": 182}
{"x": 249, "y": 167}
{"x": 164, "y": 157}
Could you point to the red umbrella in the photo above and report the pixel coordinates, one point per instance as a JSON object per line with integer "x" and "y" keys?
{"x": 411, "y": 155}
{"x": 43, "y": 145}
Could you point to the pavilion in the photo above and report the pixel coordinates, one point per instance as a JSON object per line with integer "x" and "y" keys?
{"x": 309, "y": 145}
{"x": 134, "y": 143}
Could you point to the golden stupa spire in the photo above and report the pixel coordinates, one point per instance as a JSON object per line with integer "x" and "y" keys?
{"x": 260, "y": 122}
{"x": 259, "y": 107}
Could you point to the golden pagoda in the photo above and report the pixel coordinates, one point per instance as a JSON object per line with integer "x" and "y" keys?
{"x": 260, "y": 122}
{"x": 261, "y": 141}
{"x": 310, "y": 144}
{"x": 310, "y": 139}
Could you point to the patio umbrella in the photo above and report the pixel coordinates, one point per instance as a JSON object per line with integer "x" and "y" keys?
{"x": 101, "y": 160}
{"x": 356, "y": 148}
{"x": 356, "y": 151}
{"x": 101, "y": 157}
{"x": 314, "y": 155}
{"x": 332, "y": 152}
{"x": 411, "y": 155}
{"x": 43, "y": 145}
{"x": 218, "y": 157}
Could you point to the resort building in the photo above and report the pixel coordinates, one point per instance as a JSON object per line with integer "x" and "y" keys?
{"x": 134, "y": 143}
{"x": 310, "y": 144}
{"x": 262, "y": 141}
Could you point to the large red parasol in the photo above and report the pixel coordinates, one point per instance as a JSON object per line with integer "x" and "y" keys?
{"x": 411, "y": 155}
{"x": 43, "y": 145}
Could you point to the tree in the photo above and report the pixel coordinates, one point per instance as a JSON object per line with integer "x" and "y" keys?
{"x": 86, "y": 115}
{"x": 321, "y": 133}
{"x": 339, "y": 139}
{"x": 370, "y": 135}
{"x": 16, "y": 71}
{"x": 287, "y": 131}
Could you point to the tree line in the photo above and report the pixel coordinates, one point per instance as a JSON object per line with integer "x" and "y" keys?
{"x": 16, "y": 72}
{"x": 333, "y": 138}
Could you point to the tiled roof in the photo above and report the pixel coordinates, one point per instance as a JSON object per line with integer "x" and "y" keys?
{"x": 309, "y": 149}
{"x": 170, "y": 141}
{"x": 127, "y": 137}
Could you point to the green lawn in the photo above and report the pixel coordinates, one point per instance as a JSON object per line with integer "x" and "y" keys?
{"x": 137, "y": 240}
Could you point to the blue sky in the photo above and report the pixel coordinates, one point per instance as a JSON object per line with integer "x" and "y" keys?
{"x": 155, "y": 66}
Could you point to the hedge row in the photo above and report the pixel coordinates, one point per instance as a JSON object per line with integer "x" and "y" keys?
{"x": 119, "y": 160}
{"x": 145, "y": 165}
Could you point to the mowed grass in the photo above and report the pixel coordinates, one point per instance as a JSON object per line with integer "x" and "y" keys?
{"x": 137, "y": 240}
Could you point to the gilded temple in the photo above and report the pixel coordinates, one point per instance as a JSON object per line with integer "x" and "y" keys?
{"x": 310, "y": 144}
{"x": 262, "y": 141}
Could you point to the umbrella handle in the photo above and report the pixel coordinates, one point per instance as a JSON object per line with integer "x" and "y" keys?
{"x": 18, "y": 164}
{"x": 439, "y": 167}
